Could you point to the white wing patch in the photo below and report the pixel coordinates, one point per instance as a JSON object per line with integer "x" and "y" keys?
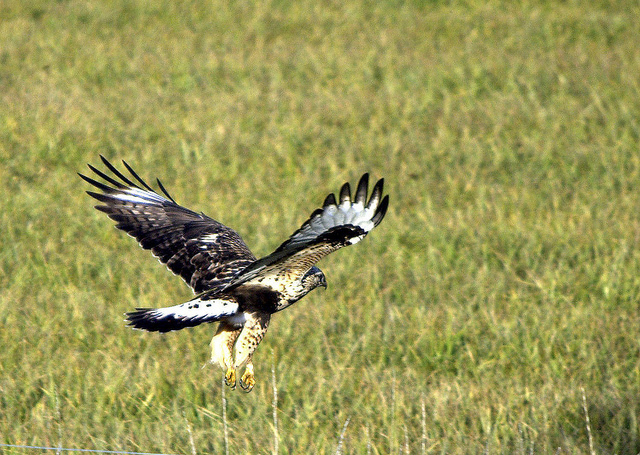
{"x": 138, "y": 196}
{"x": 198, "y": 309}
{"x": 329, "y": 228}
{"x": 349, "y": 211}
{"x": 209, "y": 238}
{"x": 188, "y": 314}
{"x": 354, "y": 240}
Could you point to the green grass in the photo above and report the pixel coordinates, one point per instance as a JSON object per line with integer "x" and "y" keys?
{"x": 504, "y": 281}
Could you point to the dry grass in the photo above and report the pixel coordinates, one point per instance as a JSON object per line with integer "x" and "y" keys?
{"x": 503, "y": 283}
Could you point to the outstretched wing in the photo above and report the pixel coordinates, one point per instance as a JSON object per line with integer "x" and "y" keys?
{"x": 188, "y": 314}
{"x": 329, "y": 228}
{"x": 204, "y": 252}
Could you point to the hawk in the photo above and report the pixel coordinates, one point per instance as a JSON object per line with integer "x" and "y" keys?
{"x": 232, "y": 286}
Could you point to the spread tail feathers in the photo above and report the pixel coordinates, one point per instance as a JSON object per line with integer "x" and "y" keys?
{"x": 189, "y": 314}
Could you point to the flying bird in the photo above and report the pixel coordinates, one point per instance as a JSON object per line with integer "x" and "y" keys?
{"x": 232, "y": 286}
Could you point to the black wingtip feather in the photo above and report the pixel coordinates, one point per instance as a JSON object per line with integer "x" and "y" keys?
{"x": 119, "y": 185}
{"x": 107, "y": 178}
{"x": 166, "y": 193}
{"x": 101, "y": 186}
{"x": 345, "y": 192}
{"x": 117, "y": 173}
{"x": 136, "y": 176}
{"x": 376, "y": 193}
{"x": 363, "y": 186}
{"x": 329, "y": 200}
{"x": 381, "y": 211}
{"x": 84, "y": 177}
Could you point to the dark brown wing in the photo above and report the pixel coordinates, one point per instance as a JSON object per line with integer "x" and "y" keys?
{"x": 204, "y": 252}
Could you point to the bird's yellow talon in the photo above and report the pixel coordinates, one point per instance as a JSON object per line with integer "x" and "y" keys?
{"x": 230, "y": 378}
{"x": 247, "y": 381}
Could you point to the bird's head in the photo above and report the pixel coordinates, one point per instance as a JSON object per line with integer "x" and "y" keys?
{"x": 314, "y": 278}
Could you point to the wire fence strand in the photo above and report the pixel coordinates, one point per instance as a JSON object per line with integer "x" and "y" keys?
{"x": 62, "y": 449}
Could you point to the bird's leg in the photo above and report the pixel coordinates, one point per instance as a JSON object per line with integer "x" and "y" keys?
{"x": 222, "y": 350}
{"x": 230, "y": 377}
{"x": 252, "y": 333}
{"x": 248, "y": 380}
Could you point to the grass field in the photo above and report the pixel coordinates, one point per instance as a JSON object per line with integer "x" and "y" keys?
{"x": 492, "y": 311}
